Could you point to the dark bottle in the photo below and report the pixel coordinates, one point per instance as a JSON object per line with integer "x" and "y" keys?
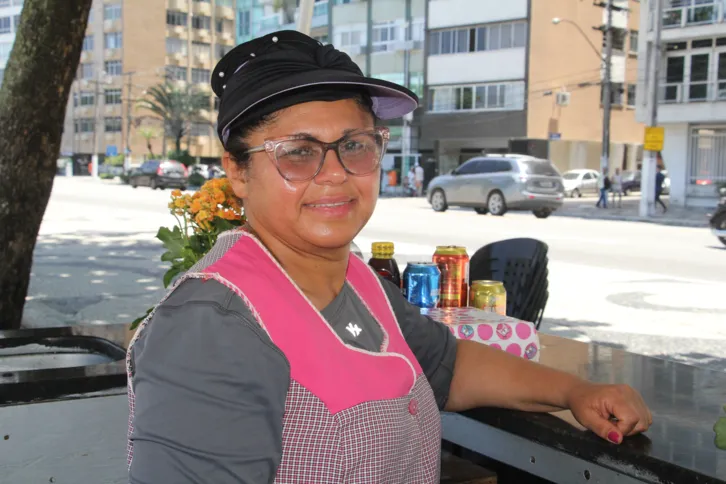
{"x": 384, "y": 263}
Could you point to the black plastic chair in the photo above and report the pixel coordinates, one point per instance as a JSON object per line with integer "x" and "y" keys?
{"x": 521, "y": 264}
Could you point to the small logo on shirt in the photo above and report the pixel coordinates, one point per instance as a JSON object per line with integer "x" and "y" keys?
{"x": 353, "y": 329}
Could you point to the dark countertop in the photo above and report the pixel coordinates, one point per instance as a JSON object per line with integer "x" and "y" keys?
{"x": 63, "y": 383}
{"x": 686, "y": 402}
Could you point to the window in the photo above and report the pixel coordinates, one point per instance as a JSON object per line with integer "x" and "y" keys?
{"x": 5, "y": 48}
{"x": 176, "y": 73}
{"x": 461, "y": 41}
{"x": 631, "y": 95}
{"x": 176, "y": 46}
{"x": 491, "y": 37}
{"x": 201, "y": 22}
{"x": 619, "y": 36}
{"x": 616, "y": 93}
{"x": 176, "y": 18}
{"x": 112, "y": 11}
{"x": 113, "y": 68}
{"x": 113, "y": 124}
{"x": 633, "y": 42}
{"x": 88, "y": 43}
{"x": 112, "y": 96}
{"x": 216, "y": 103}
{"x": 243, "y": 23}
{"x": 495, "y": 37}
{"x": 482, "y": 97}
{"x": 201, "y": 48}
{"x": 16, "y": 22}
{"x": 519, "y": 35}
{"x": 383, "y": 36}
{"x": 469, "y": 168}
{"x": 85, "y": 71}
{"x": 200, "y": 76}
{"x": 90, "y": 16}
{"x": 220, "y": 26}
{"x": 112, "y": 40}
{"x": 84, "y": 125}
{"x": 87, "y": 98}
{"x": 4, "y": 3}
{"x": 222, "y": 50}
{"x": 17, "y": 3}
{"x": 5, "y": 27}
{"x": 435, "y": 43}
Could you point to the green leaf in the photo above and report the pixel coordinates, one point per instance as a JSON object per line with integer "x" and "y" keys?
{"x": 169, "y": 257}
{"x": 171, "y": 273}
{"x": 198, "y": 244}
{"x": 720, "y": 429}
{"x": 223, "y": 225}
{"x": 138, "y": 321}
{"x": 173, "y": 240}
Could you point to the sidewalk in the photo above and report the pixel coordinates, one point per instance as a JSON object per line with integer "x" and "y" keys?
{"x": 629, "y": 212}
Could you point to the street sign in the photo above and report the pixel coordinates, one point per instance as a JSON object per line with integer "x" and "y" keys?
{"x": 111, "y": 150}
{"x": 555, "y": 136}
{"x": 654, "y": 137}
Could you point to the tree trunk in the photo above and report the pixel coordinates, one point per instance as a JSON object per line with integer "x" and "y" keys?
{"x": 179, "y": 137}
{"x": 33, "y": 100}
{"x": 150, "y": 148}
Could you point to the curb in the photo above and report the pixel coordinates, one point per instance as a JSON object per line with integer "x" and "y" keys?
{"x": 631, "y": 218}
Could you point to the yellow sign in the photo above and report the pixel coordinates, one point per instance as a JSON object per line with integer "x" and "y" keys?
{"x": 654, "y": 137}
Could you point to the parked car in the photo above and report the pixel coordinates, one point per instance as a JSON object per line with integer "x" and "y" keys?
{"x": 580, "y": 182}
{"x": 498, "y": 183}
{"x": 160, "y": 174}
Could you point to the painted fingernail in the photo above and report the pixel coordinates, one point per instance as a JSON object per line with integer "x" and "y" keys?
{"x": 614, "y": 437}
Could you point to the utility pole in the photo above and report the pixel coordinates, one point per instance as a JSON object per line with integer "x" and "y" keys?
{"x": 305, "y": 19}
{"x": 607, "y": 84}
{"x": 647, "y": 188}
{"x": 129, "y": 100}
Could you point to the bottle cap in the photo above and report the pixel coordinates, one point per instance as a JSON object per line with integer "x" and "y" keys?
{"x": 382, "y": 249}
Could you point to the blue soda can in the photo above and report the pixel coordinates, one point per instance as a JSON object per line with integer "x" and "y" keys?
{"x": 421, "y": 282}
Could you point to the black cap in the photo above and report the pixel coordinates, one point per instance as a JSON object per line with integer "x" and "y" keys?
{"x": 285, "y": 68}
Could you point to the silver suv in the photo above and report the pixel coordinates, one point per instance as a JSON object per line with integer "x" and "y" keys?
{"x": 497, "y": 183}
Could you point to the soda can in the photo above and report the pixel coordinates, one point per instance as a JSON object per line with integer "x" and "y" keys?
{"x": 453, "y": 262}
{"x": 421, "y": 282}
{"x": 489, "y": 296}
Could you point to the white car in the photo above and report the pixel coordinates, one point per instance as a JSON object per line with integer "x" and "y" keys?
{"x": 580, "y": 182}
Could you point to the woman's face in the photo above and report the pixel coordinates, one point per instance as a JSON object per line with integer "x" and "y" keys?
{"x": 325, "y": 212}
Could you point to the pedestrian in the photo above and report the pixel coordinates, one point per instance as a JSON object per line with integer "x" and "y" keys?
{"x": 603, "y": 184}
{"x": 419, "y": 180}
{"x": 280, "y": 357}
{"x": 659, "y": 179}
{"x": 411, "y": 187}
{"x": 617, "y": 187}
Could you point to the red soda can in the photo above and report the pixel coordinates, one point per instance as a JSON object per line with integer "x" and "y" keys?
{"x": 453, "y": 262}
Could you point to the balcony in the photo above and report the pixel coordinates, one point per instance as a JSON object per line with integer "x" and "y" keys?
{"x": 180, "y": 5}
{"x": 693, "y": 92}
{"x": 202, "y": 8}
{"x": 226, "y": 38}
{"x": 223, "y": 12}
{"x": 177, "y": 32}
{"x": 112, "y": 110}
{"x": 86, "y": 56}
{"x": 693, "y": 15}
{"x": 112, "y": 54}
{"x": 112, "y": 25}
{"x": 269, "y": 24}
{"x": 175, "y": 59}
{"x": 202, "y": 35}
{"x": 320, "y": 14}
{"x": 203, "y": 61}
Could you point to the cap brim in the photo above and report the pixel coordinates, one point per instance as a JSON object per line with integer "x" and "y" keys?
{"x": 390, "y": 101}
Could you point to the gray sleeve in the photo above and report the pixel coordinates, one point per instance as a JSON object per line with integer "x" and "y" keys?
{"x": 431, "y": 342}
{"x": 210, "y": 394}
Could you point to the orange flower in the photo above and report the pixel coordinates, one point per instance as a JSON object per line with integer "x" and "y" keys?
{"x": 195, "y": 207}
{"x": 176, "y": 193}
{"x": 179, "y": 203}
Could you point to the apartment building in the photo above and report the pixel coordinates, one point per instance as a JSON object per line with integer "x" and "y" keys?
{"x": 526, "y": 76}
{"x": 131, "y": 45}
{"x": 260, "y": 17}
{"x": 9, "y": 20}
{"x": 692, "y": 95}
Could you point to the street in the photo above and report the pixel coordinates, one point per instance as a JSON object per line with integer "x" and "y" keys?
{"x": 651, "y": 289}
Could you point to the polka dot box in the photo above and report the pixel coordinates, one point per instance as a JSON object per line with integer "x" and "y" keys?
{"x": 501, "y": 332}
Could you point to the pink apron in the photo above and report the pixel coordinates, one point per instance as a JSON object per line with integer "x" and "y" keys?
{"x": 351, "y": 416}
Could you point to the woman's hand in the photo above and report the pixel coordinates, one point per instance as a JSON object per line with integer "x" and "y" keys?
{"x": 611, "y": 411}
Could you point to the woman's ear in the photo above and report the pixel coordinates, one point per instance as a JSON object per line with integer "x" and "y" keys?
{"x": 236, "y": 174}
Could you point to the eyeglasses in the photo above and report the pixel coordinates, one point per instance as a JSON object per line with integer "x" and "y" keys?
{"x": 300, "y": 159}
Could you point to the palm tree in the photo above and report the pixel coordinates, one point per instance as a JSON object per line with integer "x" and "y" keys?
{"x": 148, "y": 133}
{"x": 177, "y": 107}
{"x": 288, "y": 8}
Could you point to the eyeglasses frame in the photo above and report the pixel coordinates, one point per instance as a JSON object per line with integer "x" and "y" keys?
{"x": 270, "y": 147}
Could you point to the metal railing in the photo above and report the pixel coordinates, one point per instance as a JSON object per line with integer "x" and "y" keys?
{"x": 694, "y": 91}
{"x": 707, "y": 157}
{"x": 691, "y": 15}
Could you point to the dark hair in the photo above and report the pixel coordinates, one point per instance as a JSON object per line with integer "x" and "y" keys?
{"x": 237, "y": 145}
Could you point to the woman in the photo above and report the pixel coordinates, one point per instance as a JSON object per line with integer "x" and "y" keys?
{"x": 280, "y": 357}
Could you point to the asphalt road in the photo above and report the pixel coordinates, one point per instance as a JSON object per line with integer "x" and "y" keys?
{"x": 651, "y": 289}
